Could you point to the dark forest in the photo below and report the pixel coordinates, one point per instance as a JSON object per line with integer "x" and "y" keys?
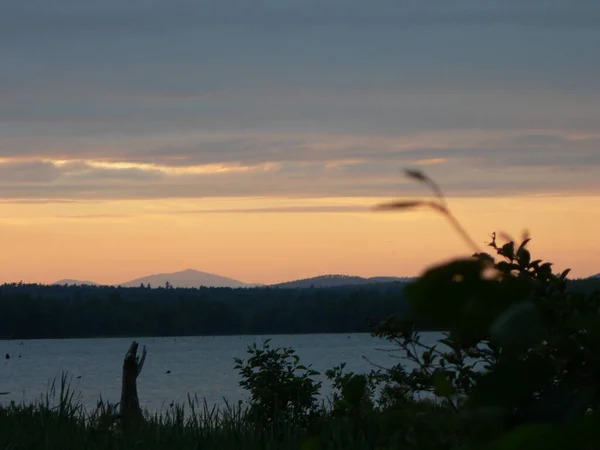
{"x": 31, "y": 311}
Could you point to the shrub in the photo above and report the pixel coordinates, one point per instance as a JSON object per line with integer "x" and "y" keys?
{"x": 280, "y": 387}
{"x": 520, "y": 356}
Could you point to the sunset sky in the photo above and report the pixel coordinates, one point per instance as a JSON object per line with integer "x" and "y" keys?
{"x": 251, "y": 138}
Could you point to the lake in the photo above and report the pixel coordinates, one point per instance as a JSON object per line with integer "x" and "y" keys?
{"x": 201, "y": 366}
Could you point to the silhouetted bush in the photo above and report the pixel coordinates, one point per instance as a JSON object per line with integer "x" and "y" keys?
{"x": 280, "y": 387}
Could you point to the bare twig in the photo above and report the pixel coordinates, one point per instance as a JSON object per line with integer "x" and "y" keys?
{"x": 387, "y": 369}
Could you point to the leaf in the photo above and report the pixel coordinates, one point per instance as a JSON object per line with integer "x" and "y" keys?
{"x": 564, "y": 274}
{"x": 524, "y": 257}
{"x": 400, "y": 205}
{"x": 438, "y": 299}
{"x": 442, "y": 386}
{"x": 415, "y": 175}
{"x": 506, "y": 267}
{"x": 519, "y": 325}
{"x": 524, "y": 243}
{"x": 508, "y": 250}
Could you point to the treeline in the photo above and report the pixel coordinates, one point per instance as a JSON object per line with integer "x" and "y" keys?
{"x": 43, "y": 312}
{"x": 38, "y": 311}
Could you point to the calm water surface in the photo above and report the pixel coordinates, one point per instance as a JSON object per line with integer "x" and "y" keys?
{"x": 200, "y": 366}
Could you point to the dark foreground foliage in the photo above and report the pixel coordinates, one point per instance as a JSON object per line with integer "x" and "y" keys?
{"x": 50, "y": 312}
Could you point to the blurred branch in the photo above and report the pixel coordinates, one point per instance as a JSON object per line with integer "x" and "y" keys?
{"x": 439, "y": 206}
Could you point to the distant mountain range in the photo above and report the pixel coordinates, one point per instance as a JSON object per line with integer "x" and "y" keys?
{"x": 188, "y": 278}
{"x": 191, "y": 278}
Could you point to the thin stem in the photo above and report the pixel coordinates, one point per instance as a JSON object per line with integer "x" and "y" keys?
{"x": 459, "y": 228}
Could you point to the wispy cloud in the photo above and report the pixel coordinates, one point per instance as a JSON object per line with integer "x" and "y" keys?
{"x": 284, "y": 209}
{"x": 316, "y": 167}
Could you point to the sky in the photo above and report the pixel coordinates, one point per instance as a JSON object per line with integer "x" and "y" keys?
{"x": 251, "y": 139}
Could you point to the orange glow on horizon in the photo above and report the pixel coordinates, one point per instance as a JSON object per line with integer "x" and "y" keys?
{"x": 115, "y": 241}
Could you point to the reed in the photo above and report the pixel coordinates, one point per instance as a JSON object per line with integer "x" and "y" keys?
{"x": 59, "y": 421}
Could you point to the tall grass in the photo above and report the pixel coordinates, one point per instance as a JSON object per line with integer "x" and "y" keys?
{"x": 60, "y": 421}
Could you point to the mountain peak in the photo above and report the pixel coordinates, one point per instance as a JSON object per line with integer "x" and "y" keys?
{"x": 193, "y": 272}
{"x": 188, "y": 278}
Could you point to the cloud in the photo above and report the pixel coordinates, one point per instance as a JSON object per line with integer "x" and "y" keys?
{"x": 37, "y": 172}
{"x": 92, "y": 216}
{"x": 460, "y": 176}
{"x": 145, "y": 99}
{"x": 284, "y": 209}
{"x": 258, "y": 164}
{"x": 44, "y": 201}
{"x": 152, "y": 17}
{"x": 242, "y": 150}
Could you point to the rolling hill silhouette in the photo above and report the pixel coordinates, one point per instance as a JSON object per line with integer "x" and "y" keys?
{"x": 337, "y": 280}
{"x": 188, "y": 278}
{"x": 191, "y": 278}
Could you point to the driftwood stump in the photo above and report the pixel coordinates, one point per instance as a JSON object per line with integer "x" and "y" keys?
{"x": 130, "y": 410}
